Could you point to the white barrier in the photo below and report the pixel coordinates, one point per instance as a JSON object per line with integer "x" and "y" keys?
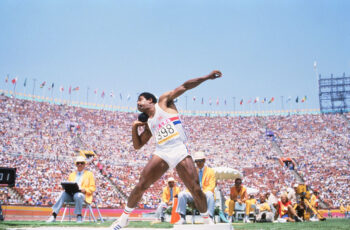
{"x": 203, "y": 227}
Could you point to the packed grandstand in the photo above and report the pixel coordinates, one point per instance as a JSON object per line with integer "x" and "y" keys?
{"x": 40, "y": 139}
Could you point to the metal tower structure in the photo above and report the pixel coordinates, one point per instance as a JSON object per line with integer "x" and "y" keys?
{"x": 334, "y": 94}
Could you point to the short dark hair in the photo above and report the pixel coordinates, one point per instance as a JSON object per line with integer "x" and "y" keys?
{"x": 148, "y": 96}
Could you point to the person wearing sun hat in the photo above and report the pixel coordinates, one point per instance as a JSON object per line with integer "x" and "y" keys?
{"x": 86, "y": 182}
{"x": 170, "y": 191}
{"x": 207, "y": 182}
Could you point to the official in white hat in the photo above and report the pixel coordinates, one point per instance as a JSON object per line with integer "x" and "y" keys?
{"x": 207, "y": 182}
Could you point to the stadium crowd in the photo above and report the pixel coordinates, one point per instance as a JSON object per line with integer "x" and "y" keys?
{"x": 41, "y": 139}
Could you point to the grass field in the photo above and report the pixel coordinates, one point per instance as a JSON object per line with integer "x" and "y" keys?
{"x": 324, "y": 225}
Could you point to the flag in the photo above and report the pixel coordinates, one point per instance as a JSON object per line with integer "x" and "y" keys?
{"x": 61, "y": 89}
{"x": 225, "y": 102}
{"x": 297, "y": 99}
{"x": 241, "y": 102}
{"x": 103, "y": 94}
{"x": 25, "y": 82}
{"x": 194, "y": 98}
{"x": 128, "y": 97}
{"x": 70, "y": 89}
{"x": 121, "y": 97}
{"x": 250, "y": 100}
{"x": 315, "y": 65}
{"x": 43, "y": 84}
{"x": 76, "y": 88}
{"x": 209, "y": 101}
{"x": 202, "y": 100}
{"x": 289, "y": 99}
{"x": 303, "y": 99}
{"x": 95, "y": 91}
{"x": 264, "y": 100}
{"x": 52, "y": 85}
{"x": 7, "y": 79}
{"x": 14, "y": 81}
{"x": 217, "y": 101}
{"x": 271, "y": 100}
{"x": 256, "y": 100}
{"x": 111, "y": 94}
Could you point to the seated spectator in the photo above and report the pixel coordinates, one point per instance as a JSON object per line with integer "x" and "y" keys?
{"x": 286, "y": 211}
{"x": 86, "y": 182}
{"x": 264, "y": 210}
{"x": 207, "y": 183}
{"x": 169, "y": 193}
{"x": 250, "y": 206}
{"x": 238, "y": 196}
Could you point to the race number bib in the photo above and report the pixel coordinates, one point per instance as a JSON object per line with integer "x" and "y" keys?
{"x": 166, "y": 133}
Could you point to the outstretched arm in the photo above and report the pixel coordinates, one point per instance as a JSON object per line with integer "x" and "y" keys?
{"x": 140, "y": 140}
{"x": 190, "y": 84}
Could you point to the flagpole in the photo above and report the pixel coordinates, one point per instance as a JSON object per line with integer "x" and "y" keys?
{"x": 282, "y": 101}
{"x": 234, "y": 103}
{"x": 34, "y": 81}
{"x": 186, "y": 102}
{"x": 87, "y": 95}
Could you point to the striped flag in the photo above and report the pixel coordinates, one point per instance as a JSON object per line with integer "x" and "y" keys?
{"x": 76, "y": 88}
{"x": 42, "y": 84}
{"x": 61, "y": 89}
{"x": 271, "y": 100}
{"x": 217, "y": 101}
{"x": 103, "y": 94}
{"x": 241, "y": 102}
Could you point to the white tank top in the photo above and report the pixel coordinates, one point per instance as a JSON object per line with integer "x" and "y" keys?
{"x": 167, "y": 129}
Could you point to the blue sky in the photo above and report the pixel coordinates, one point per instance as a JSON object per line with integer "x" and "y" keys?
{"x": 264, "y": 48}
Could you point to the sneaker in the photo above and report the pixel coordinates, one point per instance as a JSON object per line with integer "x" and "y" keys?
{"x": 162, "y": 219}
{"x": 79, "y": 219}
{"x": 208, "y": 220}
{"x": 51, "y": 219}
{"x": 120, "y": 223}
{"x": 246, "y": 221}
{"x": 181, "y": 221}
{"x": 298, "y": 219}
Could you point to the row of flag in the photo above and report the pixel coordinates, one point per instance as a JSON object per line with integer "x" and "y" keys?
{"x": 255, "y": 100}
{"x": 128, "y": 97}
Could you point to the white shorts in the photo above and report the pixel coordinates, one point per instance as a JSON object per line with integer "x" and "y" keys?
{"x": 173, "y": 156}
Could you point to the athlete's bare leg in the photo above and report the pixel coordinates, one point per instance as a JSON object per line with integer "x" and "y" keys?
{"x": 154, "y": 169}
{"x": 188, "y": 174}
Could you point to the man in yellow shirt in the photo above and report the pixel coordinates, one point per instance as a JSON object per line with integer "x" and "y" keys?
{"x": 238, "y": 197}
{"x": 86, "y": 182}
{"x": 207, "y": 182}
{"x": 169, "y": 193}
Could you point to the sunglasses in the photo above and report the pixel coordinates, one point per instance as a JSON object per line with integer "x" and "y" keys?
{"x": 199, "y": 161}
{"x": 80, "y": 163}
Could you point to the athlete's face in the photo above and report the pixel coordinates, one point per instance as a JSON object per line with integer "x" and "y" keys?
{"x": 143, "y": 104}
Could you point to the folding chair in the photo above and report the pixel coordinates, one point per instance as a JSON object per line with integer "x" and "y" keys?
{"x": 69, "y": 205}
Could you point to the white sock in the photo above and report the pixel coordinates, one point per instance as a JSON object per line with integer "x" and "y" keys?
{"x": 127, "y": 211}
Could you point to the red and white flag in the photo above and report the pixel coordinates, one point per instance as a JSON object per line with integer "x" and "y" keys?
{"x": 14, "y": 81}
{"x": 61, "y": 89}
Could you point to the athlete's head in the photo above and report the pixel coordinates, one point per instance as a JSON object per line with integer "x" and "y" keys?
{"x": 145, "y": 101}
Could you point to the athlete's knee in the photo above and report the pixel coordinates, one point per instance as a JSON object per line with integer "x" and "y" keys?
{"x": 143, "y": 185}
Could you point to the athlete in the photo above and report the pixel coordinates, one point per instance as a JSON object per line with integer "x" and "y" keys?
{"x": 164, "y": 124}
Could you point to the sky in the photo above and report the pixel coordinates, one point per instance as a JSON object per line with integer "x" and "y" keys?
{"x": 263, "y": 48}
